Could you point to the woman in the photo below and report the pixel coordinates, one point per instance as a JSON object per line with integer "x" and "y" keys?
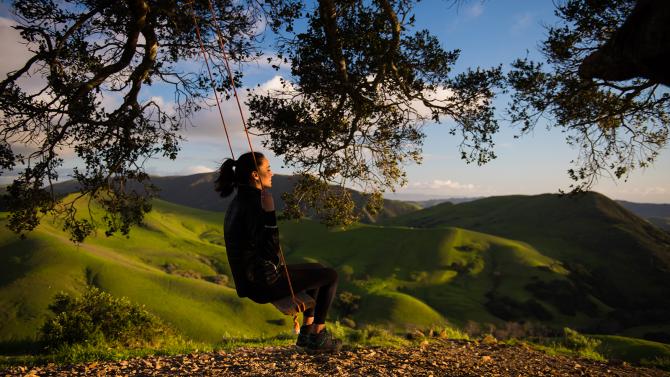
{"x": 252, "y": 245}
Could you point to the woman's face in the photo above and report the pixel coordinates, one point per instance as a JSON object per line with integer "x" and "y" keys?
{"x": 265, "y": 174}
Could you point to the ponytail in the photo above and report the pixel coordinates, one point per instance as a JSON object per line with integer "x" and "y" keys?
{"x": 225, "y": 182}
{"x": 234, "y": 173}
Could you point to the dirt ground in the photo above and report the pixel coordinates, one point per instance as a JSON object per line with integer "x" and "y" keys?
{"x": 437, "y": 358}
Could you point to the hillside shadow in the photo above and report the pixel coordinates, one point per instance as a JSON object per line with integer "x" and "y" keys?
{"x": 13, "y": 257}
{"x": 20, "y": 347}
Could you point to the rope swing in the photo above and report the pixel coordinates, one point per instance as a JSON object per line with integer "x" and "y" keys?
{"x": 296, "y": 303}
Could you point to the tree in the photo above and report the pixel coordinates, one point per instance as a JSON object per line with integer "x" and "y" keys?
{"x": 363, "y": 87}
{"x": 602, "y": 84}
{"x": 363, "y": 83}
{"x": 87, "y": 50}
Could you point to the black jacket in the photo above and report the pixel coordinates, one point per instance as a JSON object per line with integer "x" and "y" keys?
{"x": 251, "y": 236}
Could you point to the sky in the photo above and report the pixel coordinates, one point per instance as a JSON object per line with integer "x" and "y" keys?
{"x": 488, "y": 33}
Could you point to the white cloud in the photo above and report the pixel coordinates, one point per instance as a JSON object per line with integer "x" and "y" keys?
{"x": 440, "y": 97}
{"x": 198, "y": 169}
{"x": 206, "y": 126}
{"x": 521, "y": 22}
{"x": 643, "y": 191}
{"x": 475, "y": 10}
{"x": 436, "y": 157}
{"x": 276, "y": 83}
{"x": 438, "y": 184}
{"x": 14, "y": 54}
{"x": 265, "y": 62}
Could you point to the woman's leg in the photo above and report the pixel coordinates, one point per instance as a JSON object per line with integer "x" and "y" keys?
{"x": 312, "y": 277}
{"x": 308, "y": 315}
{"x": 315, "y": 277}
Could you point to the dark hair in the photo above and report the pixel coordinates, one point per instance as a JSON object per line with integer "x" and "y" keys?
{"x": 233, "y": 173}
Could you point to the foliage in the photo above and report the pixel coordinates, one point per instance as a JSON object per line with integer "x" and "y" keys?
{"x": 363, "y": 83}
{"x": 97, "y": 317}
{"x": 578, "y": 342}
{"x": 91, "y": 54}
{"x": 616, "y": 125}
{"x": 571, "y": 343}
{"x": 347, "y": 303}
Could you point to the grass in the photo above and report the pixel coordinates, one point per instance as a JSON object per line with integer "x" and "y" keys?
{"x": 367, "y": 336}
{"x": 631, "y": 349}
{"x": 406, "y": 277}
{"x": 608, "y": 347}
{"x": 618, "y": 258}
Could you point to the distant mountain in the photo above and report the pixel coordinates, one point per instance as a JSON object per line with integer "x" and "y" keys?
{"x": 197, "y": 191}
{"x": 433, "y": 202}
{"x": 657, "y": 214}
{"x": 611, "y": 254}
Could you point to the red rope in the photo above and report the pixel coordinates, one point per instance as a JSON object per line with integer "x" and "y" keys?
{"x": 211, "y": 78}
{"x": 232, "y": 81}
{"x": 300, "y": 306}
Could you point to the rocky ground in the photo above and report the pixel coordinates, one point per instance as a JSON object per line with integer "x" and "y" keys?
{"x": 438, "y": 358}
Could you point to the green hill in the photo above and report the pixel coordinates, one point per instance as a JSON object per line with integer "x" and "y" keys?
{"x": 537, "y": 259}
{"x": 33, "y": 270}
{"x": 610, "y": 253}
{"x": 174, "y": 264}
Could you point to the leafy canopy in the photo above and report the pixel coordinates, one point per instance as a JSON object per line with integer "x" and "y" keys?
{"x": 364, "y": 83}
{"x": 364, "y": 80}
{"x": 617, "y": 122}
{"x": 87, "y": 51}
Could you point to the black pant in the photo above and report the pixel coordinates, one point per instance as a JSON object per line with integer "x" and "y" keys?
{"x": 316, "y": 280}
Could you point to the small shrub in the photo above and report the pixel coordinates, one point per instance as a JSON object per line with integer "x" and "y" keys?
{"x": 97, "y": 317}
{"x": 347, "y": 303}
{"x": 347, "y": 272}
{"x": 578, "y": 342}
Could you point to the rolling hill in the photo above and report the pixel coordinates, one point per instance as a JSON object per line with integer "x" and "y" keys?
{"x": 586, "y": 263}
{"x": 611, "y": 254}
{"x": 657, "y": 214}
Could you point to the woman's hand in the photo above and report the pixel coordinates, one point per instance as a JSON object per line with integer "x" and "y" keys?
{"x": 267, "y": 202}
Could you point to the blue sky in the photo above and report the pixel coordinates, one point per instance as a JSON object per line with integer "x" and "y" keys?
{"x": 487, "y": 33}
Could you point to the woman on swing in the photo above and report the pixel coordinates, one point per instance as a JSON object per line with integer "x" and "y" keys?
{"x": 252, "y": 245}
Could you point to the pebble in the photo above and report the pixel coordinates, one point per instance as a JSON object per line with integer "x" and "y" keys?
{"x": 440, "y": 357}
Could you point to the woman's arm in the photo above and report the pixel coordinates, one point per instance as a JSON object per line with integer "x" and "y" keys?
{"x": 268, "y": 245}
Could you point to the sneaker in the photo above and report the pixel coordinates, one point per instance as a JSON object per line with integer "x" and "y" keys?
{"x": 303, "y": 336}
{"x": 323, "y": 342}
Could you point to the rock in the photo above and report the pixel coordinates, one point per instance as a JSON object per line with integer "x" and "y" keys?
{"x": 414, "y": 335}
{"x": 489, "y": 339}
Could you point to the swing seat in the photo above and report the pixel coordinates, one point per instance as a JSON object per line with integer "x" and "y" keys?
{"x": 288, "y": 306}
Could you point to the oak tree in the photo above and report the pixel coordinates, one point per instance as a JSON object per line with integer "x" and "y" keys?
{"x": 603, "y": 82}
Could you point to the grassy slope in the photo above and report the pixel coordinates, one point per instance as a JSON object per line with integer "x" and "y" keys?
{"x": 411, "y": 276}
{"x": 405, "y": 276}
{"x": 33, "y": 270}
{"x": 631, "y": 349}
{"x": 450, "y": 270}
{"x": 622, "y": 259}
